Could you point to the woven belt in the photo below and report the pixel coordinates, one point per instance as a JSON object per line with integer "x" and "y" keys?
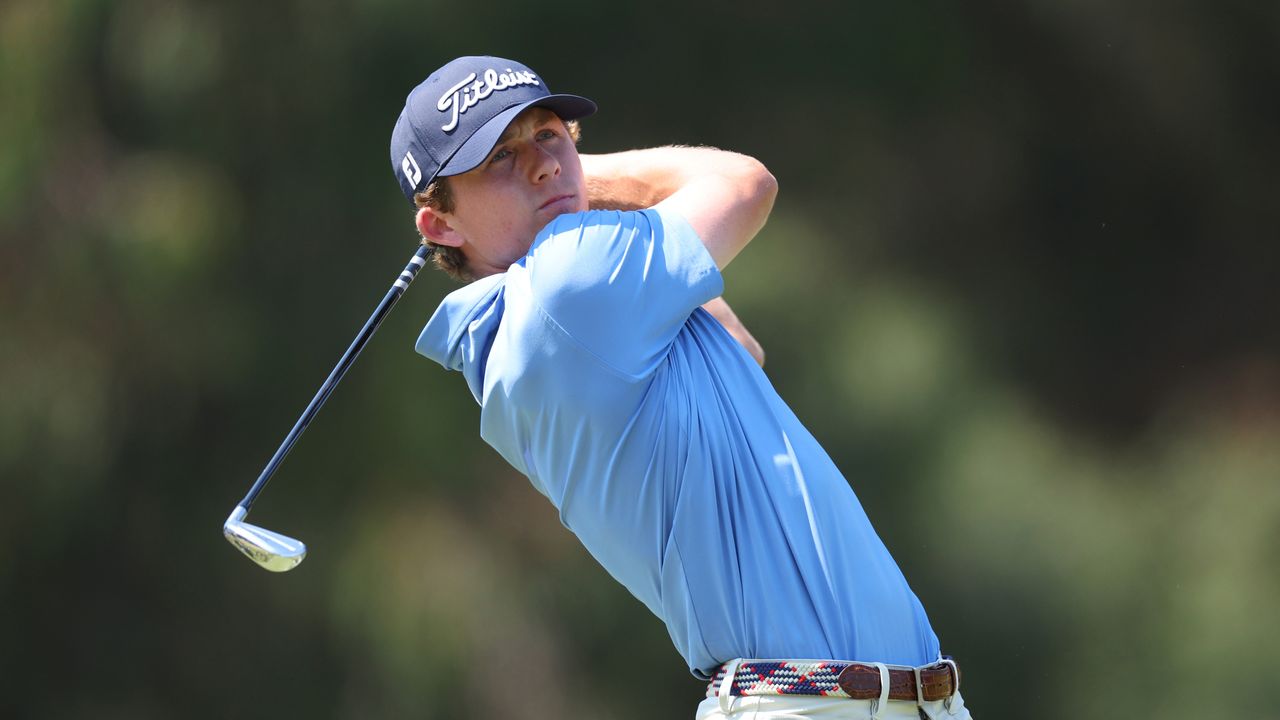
{"x": 831, "y": 678}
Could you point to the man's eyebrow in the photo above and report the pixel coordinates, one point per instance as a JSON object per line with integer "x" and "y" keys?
{"x": 535, "y": 120}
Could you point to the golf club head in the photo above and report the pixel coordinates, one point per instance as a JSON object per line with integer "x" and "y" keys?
{"x": 272, "y": 551}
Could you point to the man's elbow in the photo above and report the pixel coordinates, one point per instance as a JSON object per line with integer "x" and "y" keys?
{"x": 760, "y": 189}
{"x": 766, "y": 184}
{"x": 758, "y": 183}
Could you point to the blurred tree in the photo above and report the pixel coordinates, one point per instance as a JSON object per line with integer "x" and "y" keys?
{"x": 1021, "y": 282}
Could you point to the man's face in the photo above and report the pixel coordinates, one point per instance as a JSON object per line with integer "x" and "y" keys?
{"x": 532, "y": 175}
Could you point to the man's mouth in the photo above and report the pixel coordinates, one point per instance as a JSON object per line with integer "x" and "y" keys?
{"x": 554, "y": 200}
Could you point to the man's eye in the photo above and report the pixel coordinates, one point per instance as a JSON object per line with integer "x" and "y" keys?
{"x": 546, "y": 134}
{"x": 500, "y": 155}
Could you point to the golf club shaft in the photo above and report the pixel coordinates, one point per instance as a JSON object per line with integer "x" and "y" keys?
{"x": 370, "y": 327}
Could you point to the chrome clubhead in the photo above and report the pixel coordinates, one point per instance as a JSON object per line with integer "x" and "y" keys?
{"x": 271, "y": 550}
{"x": 274, "y": 551}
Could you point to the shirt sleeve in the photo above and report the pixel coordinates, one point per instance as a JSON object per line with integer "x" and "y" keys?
{"x": 622, "y": 284}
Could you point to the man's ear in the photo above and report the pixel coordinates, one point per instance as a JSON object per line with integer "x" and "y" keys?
{"x": 435, "y": 227}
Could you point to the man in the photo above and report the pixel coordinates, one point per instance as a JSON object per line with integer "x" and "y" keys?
{"x": 653, "y": 431}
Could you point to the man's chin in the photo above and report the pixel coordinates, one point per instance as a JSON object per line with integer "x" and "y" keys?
{"x": 562, "y": 206}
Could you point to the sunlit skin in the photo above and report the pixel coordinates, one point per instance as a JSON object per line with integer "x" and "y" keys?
{"x": 532, "y": 175}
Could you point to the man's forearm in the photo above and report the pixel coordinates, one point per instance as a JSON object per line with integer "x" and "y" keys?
{"x": 631, "y": 180}
{"x": 637, "y": 179}
{"x": 725, "y": 197}
{"x": 614, "y": 192}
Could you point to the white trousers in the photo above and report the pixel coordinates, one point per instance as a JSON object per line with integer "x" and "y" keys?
{"x": 801, "y": 707}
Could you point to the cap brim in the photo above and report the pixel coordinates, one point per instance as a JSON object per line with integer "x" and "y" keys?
{"x": 477, "y": 147}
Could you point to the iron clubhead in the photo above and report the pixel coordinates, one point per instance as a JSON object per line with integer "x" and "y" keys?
{"x": 271, "y": 550}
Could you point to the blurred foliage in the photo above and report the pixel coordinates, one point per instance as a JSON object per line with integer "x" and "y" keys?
{"x": 1021, "y": 282}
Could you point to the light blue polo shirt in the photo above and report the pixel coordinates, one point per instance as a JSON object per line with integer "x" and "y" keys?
{"x": 668, "y": 452}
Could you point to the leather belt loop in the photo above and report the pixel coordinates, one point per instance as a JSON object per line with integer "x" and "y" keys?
{"x": 955, "y": 689}
{"x": 876, "y": 703}
{"x": 726, "y": 685}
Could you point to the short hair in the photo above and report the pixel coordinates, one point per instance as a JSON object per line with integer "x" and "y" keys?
{"x": 439, "y": 195}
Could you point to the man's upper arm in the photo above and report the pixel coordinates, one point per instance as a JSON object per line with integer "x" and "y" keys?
{"x": 622, "y": 284}
{"x": 727, "y": 206}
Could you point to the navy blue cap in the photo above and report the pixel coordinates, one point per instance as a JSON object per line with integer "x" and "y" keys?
{"x": 453, "y": 119}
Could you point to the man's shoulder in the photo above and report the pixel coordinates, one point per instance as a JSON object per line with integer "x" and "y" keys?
{"x": 579, "y": 250}
{"x": 565, "y": 228}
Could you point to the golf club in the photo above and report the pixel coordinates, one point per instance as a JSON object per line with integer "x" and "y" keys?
{"x": 272, "y": 550}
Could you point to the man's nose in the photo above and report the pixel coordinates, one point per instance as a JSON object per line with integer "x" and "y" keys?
{"x": 543, "y": 166}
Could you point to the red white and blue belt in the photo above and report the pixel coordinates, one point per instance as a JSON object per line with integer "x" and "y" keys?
{"x": 832, "y": 678}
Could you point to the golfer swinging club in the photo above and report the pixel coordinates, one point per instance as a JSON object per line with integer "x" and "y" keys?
{"x": 608, "y": 372}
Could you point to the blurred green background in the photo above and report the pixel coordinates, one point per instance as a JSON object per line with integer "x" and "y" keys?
{"x": 1021, "y": 281}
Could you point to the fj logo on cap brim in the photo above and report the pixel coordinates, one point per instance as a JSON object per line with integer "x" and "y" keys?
{"x": 411, "y": 171}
